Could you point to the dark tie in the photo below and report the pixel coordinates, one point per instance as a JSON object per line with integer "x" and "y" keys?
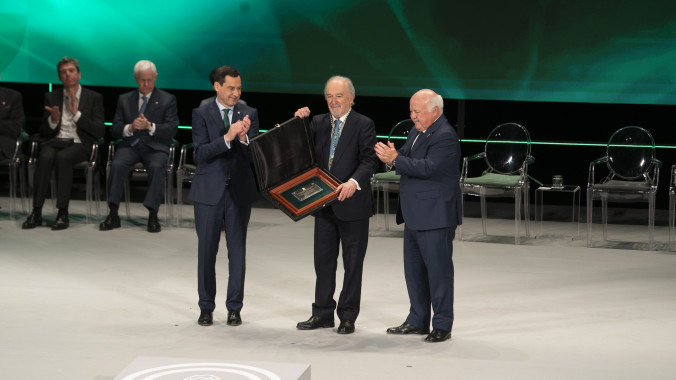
{"x": 226, "y": 120}
{"x": 143, "y": 105}
{"x": 334, "y": 141}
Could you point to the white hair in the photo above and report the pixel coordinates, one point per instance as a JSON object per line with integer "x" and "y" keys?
{"x": 435, "y": 101}
{"x": 347, "y": 80}
{"x": 144, "y": 65}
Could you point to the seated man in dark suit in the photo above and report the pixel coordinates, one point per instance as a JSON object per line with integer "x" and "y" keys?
{"x": 11, "y": 121}
{"x": 146, "y": 120}
{"x": 72, "y": 122}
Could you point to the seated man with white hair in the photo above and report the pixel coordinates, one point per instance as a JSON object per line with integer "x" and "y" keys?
{"x": 146, "y": 120}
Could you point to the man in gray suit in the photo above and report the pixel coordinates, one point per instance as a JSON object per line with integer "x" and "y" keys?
{"x": 430, "y": 206}
{"x": 146, "y": 120}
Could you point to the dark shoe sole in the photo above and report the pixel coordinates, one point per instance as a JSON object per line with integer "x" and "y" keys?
{"x": 321, "y": 326}
{"x": 103, "y": 227}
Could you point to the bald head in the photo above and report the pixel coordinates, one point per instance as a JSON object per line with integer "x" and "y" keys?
{"x": 425, "y": 107}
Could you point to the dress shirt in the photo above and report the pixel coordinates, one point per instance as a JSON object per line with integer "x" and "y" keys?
{"x": 68, "y": 120}
{"x": 126, "y": 132}
{"x": 232, "y": 109}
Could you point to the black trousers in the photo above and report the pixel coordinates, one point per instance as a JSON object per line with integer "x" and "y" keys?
{"x": 62, "y": 161}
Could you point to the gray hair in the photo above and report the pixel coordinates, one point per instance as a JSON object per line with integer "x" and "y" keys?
{"x": 144, "y": 65}
{"x": 347, "y": 80}
{"x": 435, "y": 101}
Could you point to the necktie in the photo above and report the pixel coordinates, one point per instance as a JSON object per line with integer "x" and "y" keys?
{"x": 334, "y": 141}
{"x": 143, "y": 105}
{"x": 226, "y": 119}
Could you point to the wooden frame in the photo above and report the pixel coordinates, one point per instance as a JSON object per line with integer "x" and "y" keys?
{"x": 276, "y": 192}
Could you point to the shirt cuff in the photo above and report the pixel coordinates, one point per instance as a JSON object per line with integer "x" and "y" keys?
{"x": 245, "y": 142}
{"x": 52, "y": 125}
{"x": 356, "y": 183}
{"x": 151, "y": 131}
{"x": 226, "y": 142}
{"x": 126, "y": 131}
{"x": 77, "y": 116}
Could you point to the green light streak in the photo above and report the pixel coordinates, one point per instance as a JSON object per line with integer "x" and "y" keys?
{"x": 384, "y": 137}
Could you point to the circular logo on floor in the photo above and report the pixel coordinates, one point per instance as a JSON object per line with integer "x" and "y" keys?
{"x": 203, "y": 371}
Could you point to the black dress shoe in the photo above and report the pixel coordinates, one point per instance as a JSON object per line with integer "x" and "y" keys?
{"x": 32, "y": 221}
{"x": 154, "y": 224}
{"x": 405, "y": 328}
{"x": 61, "y": 222}
{"x": 346, "y": 327}
{"x": 112, "y": 221}
{"x": 206, "y": 318}
{"x": 234, "y": 319}
{"x": 438, "y": 335}
{"x": 315, "y": 323}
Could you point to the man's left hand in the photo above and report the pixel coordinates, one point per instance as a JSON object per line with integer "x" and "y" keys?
{"x": 346, "y": 190}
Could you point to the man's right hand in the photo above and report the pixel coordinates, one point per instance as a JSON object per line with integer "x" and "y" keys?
{"x": 302, "y": 112}
{"x": 54, "y": 112}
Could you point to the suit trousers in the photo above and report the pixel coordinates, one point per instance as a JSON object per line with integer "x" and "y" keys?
{"x": 124, "y": 161}
{"x": 329, "y": 234}
{"x": 62, "y": 161}
{"x": 428, "y": 269}
{"x": 208, "y": 222}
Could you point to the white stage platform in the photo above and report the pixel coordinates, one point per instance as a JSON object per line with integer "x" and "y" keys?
{"x": 84, "y": 304}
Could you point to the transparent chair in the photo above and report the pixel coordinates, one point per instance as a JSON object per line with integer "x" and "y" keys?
{"x": 16, "y": 173}
{"x": 139, "y": 173}
{"x": 388, "y": 181}
{"x": 90, "y": 168}
{"x": 633, "y": 175}
{"x": 506, "y": 158}
{"x": 184, "y": 173}
{"x": 672, "y": 206}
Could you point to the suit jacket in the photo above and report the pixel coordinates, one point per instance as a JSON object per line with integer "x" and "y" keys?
{"x": 354, "y": 158}
{"x": 90, "y": 127}
{"x": 11, "y": 120}
{"x": 429, "y": 191}
{"x": 216, "y": 163}
{"x": 161, "y": 110}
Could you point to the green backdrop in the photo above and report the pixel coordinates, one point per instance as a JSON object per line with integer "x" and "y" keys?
{"x": 548, "y": 50}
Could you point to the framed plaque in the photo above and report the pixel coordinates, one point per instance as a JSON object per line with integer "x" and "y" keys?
{"x": 306, "y": 192}
{"x": 287, "y": 170}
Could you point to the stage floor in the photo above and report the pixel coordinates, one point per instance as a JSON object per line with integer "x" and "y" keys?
{"x": 84, "y": 304}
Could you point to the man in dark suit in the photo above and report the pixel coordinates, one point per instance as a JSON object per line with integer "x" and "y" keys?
{"x": 222, "y": 190}
{"x": 344, "y": 141}
{"x": 146, "y": 120}
{"x": 430, "y": 205}
{"x": 11, "y": 121}
{"x": 72, "y": 122}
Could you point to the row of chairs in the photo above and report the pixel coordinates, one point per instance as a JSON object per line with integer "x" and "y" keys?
{"x": 19, "y": 165}
{"x": 631, "y": 174}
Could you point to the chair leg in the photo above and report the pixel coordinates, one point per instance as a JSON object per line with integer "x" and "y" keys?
{"x": 22, "y": 189}
{"x": 517, "y": 215}
{"x": 604, "y": 216}
{"x": 97, "y": 193}
{"x": 179, "y": 198}
{"x": 483, "y": 214}
{"x": 526, "y": 208}
{"x": 127, "y": 197}
{"x": 12, "y": 188}
{"x": 671, "y": 220}
{"x": 386, "y": 206}
{"x": 651, "y": 221}
{"x": 88, "y": 193}
{"x": 590, "y": 203}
